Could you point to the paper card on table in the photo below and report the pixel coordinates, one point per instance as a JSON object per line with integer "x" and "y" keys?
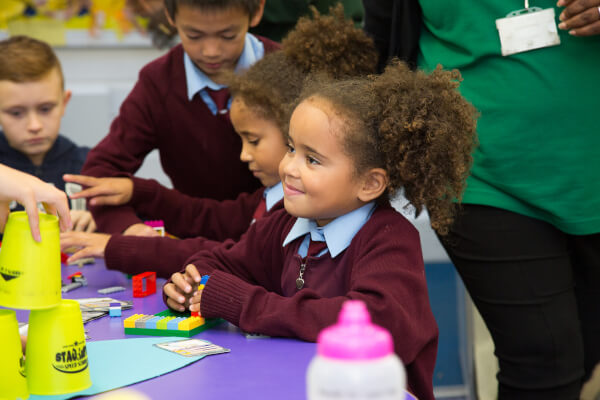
{"x": 193, "y": 347}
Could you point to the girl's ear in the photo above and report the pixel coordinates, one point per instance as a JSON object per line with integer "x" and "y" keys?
{"x": 375, "y": 182}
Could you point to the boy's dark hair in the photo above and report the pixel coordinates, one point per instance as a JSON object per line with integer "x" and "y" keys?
{"x": 414, "y": 125}
{"x": 271, "y": 85}
{"x": 249, "y": 6}
{"x": 25, "y": 59}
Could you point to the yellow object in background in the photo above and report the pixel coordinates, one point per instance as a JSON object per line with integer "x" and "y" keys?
{"x": 30, "y": 270}
{"x": 10, "y": 9}
{"x": 56, "y": 353}
{"x": 49, "y": 30}
{"x": 12, "y": 372}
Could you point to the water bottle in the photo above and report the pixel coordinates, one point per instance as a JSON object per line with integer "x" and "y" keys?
{"x": 355, "y": 360}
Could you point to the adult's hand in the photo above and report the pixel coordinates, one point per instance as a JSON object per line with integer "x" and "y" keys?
{"x": 28, "y": 190}
{"x": 580, "y": 17}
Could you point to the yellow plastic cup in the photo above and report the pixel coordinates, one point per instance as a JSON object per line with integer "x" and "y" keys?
{"x": 12, "y": 369}
{"x": 30, "y": 270}
{"x": 56, "y": 354}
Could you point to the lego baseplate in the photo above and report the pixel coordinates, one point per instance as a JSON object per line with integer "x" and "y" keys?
{"x": 167, "y": 323}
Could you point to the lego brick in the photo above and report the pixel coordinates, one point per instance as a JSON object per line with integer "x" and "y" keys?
{"x": 111, "y": 289}
{"x": 184, "y": 325}
{"x": 144, "y": 284}
{"x": 130, "y": 321}
{"x": 114, "y": 312}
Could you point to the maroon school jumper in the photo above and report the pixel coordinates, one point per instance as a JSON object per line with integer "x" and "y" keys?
{"x": 198, "y": 151}
{"x": 253, "y": 285}
{"x": 201, "y": 223}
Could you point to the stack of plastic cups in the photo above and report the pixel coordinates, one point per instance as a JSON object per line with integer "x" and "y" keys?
{"x": 56, "y": 357}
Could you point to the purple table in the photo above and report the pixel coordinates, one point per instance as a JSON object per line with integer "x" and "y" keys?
{"x": 271, "y": 368}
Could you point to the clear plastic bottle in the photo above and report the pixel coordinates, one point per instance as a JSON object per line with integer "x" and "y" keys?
{"x": 355, "y": 360}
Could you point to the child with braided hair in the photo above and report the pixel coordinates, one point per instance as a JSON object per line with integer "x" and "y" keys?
{"x": 352, "y": 145}
{"x": 260, "y": 113}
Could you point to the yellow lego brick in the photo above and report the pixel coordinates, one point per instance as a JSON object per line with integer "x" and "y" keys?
{"x": 190, "y": 323}
{"x": 130, "y": 322}
{"x": 200, "y": 287}
{"x": 162, "y": 324}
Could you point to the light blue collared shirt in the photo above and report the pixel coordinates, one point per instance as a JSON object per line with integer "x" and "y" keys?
{"x": 273, "y": 194}
{"x": 197, "y": 81}
{"x": 337, "y": 234}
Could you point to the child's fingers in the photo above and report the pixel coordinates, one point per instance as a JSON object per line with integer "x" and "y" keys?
{"x": 193, "y": 273}
{"x": 175, "y": 306}
{"x": 84, "y": 180}
{"x": 182, "y": 283}
{"x": 174, "y": 294}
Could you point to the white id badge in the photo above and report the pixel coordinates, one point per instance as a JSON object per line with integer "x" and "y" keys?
{"x": 527, "y": 29}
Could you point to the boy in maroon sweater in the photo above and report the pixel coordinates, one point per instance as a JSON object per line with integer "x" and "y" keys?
{"x": 352, "y": 145}
{"x": 178, "y": 108}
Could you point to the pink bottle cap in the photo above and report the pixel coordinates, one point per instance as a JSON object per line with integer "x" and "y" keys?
{"x": 354, "y": 337}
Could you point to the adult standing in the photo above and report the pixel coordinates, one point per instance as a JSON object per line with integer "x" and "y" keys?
{"x": 527, "y": 238}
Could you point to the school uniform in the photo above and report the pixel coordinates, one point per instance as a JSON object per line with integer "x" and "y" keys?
{"x": 200, "y": 223}
{"x": 372, "y": 255}
{"x": 64, "y": 157}
{"x": 199, "y": 150}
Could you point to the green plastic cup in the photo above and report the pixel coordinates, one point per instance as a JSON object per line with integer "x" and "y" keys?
{"x": 56, "y": 353}
{"x": 30, "y": 270}
{"x": 13, "y": 384}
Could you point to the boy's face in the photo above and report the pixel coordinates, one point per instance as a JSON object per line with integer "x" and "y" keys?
{"x": 318, "y": 178}
{"x": 30, "y": 114}
{"x": 263, "y": 146}
{"x": 213, "y": 39}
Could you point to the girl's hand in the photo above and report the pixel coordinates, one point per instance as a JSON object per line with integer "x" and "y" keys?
{"x": 181, "y": 288}
{"x": 83, "y": 221}
{"x": 195, "y": 301}
{"x": 140, "y": 230}
{"x": 580, "y": 17}
{"x": 102, "y": 191}
{"x": 90, "y": 244}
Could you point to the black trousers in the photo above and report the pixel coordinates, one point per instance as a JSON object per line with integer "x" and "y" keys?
{"x": 538, "y": 291}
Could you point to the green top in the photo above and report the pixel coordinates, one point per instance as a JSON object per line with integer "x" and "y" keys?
{"x": 539, "y": 129}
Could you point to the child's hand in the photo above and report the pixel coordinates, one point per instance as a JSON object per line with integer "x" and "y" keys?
{"x": 181, "y": 288}
{"x": 140, "y": 230}
{"x": 90, "y": 244}
{"x": 83, "y": 221}
{"x": 102, "y": 191}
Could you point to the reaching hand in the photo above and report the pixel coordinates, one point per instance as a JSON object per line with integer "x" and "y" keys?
{"x": 89, "y": 244}
{"x": 182, "y": 288}
{"x": 27, "y": 190}
{"x": 83, "y": 221}
{"x": 140, "y": 230}
{"x": 102, "y": 191}
{"x": 580, "y": 17}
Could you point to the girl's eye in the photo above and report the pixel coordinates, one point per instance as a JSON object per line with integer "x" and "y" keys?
{"x": 15, "y": 113}
{"x": 253, "y": 142}
{"x": 229, "y": 37}
{"x": 290, "y": 148}
{"x": 312, "y": 160}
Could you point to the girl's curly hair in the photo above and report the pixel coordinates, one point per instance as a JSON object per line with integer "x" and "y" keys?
{"x": 330, "y": 43}
{"x": 414, "y": 125}
{"x": 326, "y": 44}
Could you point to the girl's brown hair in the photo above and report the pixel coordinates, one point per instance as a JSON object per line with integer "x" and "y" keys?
{"x": 414, "y": 125}
{"x": 324, "y": 44}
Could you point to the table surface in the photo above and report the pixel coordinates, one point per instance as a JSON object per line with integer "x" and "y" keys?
{"x": 255, "y": 368}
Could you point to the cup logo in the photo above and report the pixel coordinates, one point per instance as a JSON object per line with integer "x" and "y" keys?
{"x": 72, "y": 358}
{"x": 22, "y": 366}
{"x": 9, "y": 274}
